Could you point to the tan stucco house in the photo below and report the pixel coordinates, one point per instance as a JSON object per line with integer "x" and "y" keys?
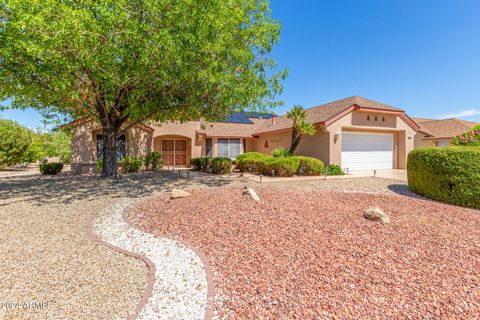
{"x": 439, "y": 133}
{"x": 356, "y": 133}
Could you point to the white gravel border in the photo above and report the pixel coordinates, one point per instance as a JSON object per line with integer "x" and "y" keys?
{"x": 180, "y": 289}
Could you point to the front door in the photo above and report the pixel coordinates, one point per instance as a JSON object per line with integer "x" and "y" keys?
{"x": 174, "y": 152}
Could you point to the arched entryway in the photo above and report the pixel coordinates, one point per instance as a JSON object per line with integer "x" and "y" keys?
{"x": 175, "y": 150}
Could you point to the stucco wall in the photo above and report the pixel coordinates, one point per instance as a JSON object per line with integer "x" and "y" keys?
{"x": 420, "y": 143}
{"x": 266, "y": 143}
{"x": 186, "y": 129}
{"x": 385, "y": 123}
{"x": 83, "y": 145}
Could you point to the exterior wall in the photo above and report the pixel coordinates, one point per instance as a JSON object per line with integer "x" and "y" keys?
{"x": 420, "y": 143}
{"x": 317, "y": 146}
{"x": 266, "y": 143}
{"x": 386, "y": 123}
{"x": 187, "y": 130}
{"x": 83, "y": 145}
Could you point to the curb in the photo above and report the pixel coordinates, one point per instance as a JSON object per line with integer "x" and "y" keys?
{"x": 208, "y": 269}
{"x": 151, "y": 267}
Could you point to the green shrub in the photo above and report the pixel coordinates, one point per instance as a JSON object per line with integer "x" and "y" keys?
{"x": 281, "y": 153}
{"x": 199, "y": 163}
{"x": 451, "y": 174}
{"x": 153, "y": 159}
{"x": 51, "y": 167}
{"x": 283, "y": 167}
{"x": 333, "y": 170}
{"x": 131, "y": 164}
{"x": 251, "y": 161}
{"x": 220, "y": 165}
{"x": 309, "y": 166}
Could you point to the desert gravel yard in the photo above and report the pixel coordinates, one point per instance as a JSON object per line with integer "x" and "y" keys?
{"x": 303, "y": 252}
{"x": 49, "y": 267}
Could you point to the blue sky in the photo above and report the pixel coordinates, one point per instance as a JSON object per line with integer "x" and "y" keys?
{"x": 422, "y": 56}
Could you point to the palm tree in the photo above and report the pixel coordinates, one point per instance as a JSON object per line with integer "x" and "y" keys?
{"x": 300, "y": 126}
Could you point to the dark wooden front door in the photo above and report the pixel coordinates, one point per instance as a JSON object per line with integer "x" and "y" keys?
{"x": 174, "y": 152}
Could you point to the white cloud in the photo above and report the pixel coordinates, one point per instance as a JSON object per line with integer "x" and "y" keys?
{"x": 462, "y": 114}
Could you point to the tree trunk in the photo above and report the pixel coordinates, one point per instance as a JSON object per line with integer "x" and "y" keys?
{"x": 109, "y": 167}
{"x": 294, "y": 145}
{"x": 294, "y": 142}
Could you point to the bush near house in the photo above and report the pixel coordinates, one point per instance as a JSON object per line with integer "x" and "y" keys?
{"x": 131, "y": 164}
{"x": 333, "y": 170}
{"x": 212, "y": 164}
{"x": 219, "y": 165}
{"x": 153, "y": 160}
{"x": 199, "y": 163}
{"x": 309, "y": 166}
{"x": 281, "y": 153}
{"x": 449, "y": 174}
{"x": 250, "y": 161}
{"x": 51, "y": 168}
{"x": 281, "y": 167}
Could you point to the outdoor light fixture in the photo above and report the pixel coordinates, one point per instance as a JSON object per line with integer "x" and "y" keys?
{"x": 273, "y": 173}
{"x": 188, "y": 175}
{"x": 374, "y": 173}
{"x": 336, "y": 136}
{"x": 261, "y": 176}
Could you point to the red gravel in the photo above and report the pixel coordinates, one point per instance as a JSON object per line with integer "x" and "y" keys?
{"x": 312, "y": 254}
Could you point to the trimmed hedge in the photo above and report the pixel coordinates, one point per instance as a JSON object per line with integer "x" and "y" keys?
{"x": 251, "y": 161}
{"x": 283, "y": 167}
{"x": 51, "y": 168}
{"x": 309, "y": 166}
{"x": 450, "y": 174}
{"x": 334, "y": 170}
{"x": 219, "y": 165}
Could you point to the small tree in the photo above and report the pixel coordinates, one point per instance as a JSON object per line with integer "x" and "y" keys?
{"x": 470, "y": 138}
{"x": 124, "y": 62}
{"x": 14, "y": 142}
{"x": 300, "y": 126}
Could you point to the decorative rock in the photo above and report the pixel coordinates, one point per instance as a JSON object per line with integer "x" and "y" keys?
{"x": 178, "y": 193}
{"x": 376, "y": 214}
{"x": 251, "y": 193}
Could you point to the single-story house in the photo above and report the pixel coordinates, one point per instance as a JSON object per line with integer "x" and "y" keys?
{"x": 356, "y": 133}
{"x": 439, "y": 133}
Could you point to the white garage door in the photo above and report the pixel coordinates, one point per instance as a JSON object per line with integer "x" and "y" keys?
{"x": 362, "y": 151}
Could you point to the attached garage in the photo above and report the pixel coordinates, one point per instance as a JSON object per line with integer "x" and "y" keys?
{"x": 367, "y": 151}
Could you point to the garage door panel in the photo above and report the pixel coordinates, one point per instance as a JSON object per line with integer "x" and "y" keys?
{"x": 367, "y": 151}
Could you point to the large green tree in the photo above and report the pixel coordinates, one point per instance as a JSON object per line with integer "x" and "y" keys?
{"x": 14, "y": 142}
{"x": 123, "y": 62}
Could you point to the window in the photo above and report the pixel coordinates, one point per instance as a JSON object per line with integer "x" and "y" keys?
{"x": 208, "y": 147}
{"x": 376, "y": 118}
{"x": 229, "y": 148}
{"x": 368, "y": 118}
{"x": 383, "y": 119}
{"x": 121, "y": 147}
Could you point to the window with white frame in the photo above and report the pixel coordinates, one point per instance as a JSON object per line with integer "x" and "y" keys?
{"x": 229, "y": 148}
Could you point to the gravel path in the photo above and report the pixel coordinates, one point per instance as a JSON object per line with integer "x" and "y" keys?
{"x": 311, "y": 254}
{"x": 180, "y": 288}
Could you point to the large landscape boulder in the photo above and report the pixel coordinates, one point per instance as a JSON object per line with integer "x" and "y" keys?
{"x": 178, "y": 193}
{"x": 376, "y": 214}
{"x": 249, "y": 192}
